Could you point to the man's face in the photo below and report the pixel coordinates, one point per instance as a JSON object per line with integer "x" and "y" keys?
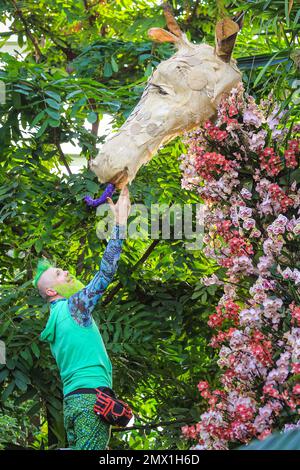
{"x": 60, "y": 276}
{"x": 56, "y": 281}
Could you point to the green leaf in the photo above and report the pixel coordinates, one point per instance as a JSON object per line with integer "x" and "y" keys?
{"x": 53, "y": 95}
{"x": 77, "y": 106}
{"x": 196, "y": 295}
{"x": 29, "y": 395}
{"x": 38, "y": 118}
{"x": 27, "y": 357}
{"x": 92, "y": 117}
{"x": 21, "y": 384}
{"x": 11, "y": 363}
{"x": 4, "y": 327}
{"x": 114, "y": 64}
{"x": 3, "y": 375}
{"x": 54, "y": 114}
{"x": 107, "y": 72}
{"x": 148, "y": 70}
{"x": 54, "y": 123}
{"x": 92, "y": 187}
{"x": 20, "y": 40}
{"x": 143, "y": 57}
{"x": 129, "y": 348}
{"x": 295, "y": 175}
{"x": 73, "y": 93}
{"x": 21, "y": 376}
{"x": 287, "y": 15}
{"x": 297, "y": 17}
{"x": 42, "y": 129}
{"x": 52, "y": 103}
{"x": 34, "y": 409}
{"x": 38, "y": 245}
{"x": 8, "y": 391}
{"x": 16, "y": 99}
{"x": 263, "y": 71}
{"x": 255, "y": 61}
{"x": 35, "y": 349}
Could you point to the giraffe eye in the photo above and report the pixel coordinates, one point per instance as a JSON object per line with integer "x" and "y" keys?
{"x": 160, "y": 90}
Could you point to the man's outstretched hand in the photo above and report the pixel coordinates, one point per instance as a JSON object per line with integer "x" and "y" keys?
{"x": 122, "y": 208}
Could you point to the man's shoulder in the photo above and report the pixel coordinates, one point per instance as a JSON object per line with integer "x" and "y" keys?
{"x": 57, "y": 302}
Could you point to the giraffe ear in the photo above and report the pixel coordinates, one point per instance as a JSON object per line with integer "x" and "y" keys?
{"x": 170, "y": 20}
{"x": 226, "y": 32}
{"x": 162, "y": 35}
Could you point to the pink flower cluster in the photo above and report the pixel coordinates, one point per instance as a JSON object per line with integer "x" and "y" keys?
{"x": 292, "y": 154}
{"x": 270, "y": 162}
{"x": 295, "y": 312}
{"x": 228, "y": 311}
{"x": 209, "y": 164}
{"x": 243, "y": 167}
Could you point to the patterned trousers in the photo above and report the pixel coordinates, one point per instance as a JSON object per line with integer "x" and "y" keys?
{"x": 85, "y": 430}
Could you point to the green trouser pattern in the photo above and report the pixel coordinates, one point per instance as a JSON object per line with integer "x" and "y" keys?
{"x": 85, "y": 430}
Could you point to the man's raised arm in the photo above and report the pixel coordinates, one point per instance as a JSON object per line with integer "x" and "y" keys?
{"x": 83, "y": 302}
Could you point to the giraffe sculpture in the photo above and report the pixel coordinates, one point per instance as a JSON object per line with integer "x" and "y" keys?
{"x": 183, "y": 92}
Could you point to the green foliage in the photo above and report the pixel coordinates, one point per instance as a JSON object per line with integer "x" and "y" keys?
{"x": 84, "y": 59}
{"x": 20, "y": 429}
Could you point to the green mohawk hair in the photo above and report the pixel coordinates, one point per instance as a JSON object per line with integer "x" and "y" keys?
{"x": 42, "y": 266}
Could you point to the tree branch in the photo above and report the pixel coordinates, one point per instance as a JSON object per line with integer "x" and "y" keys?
{"x": 193, "y": 12}
{"x": 19, "y": 13}
{"x": 95, "y": 125}
{"x": 92, "y": 17}
{"x": 61, "y": 153}
{"x": 63, "y": 158}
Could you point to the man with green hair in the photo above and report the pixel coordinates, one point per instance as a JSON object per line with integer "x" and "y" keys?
{"x": 75, "y": 340}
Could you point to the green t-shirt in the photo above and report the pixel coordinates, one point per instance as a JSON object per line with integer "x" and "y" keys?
{"x": 79, "y": 351}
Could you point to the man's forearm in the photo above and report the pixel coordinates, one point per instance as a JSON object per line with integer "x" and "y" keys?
{"x": 112, "y": 252}
{"x": 83, "y": 302}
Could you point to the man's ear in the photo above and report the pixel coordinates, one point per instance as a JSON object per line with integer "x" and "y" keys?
{"x": 50, "y": 292}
